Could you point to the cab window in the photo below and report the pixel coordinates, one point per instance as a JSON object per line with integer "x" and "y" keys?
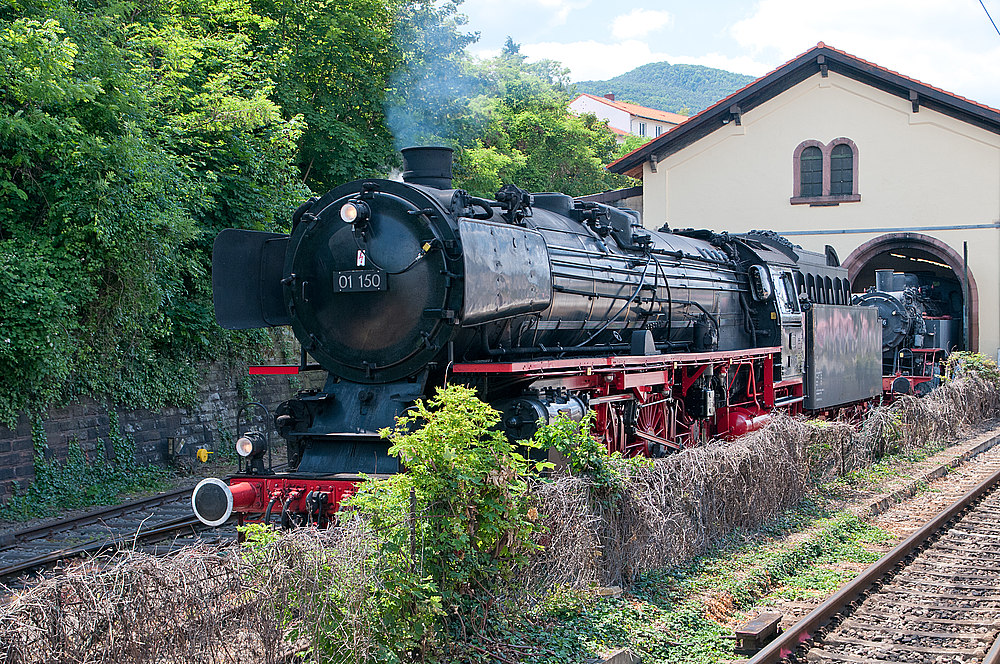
{"x": 785, "y": 294}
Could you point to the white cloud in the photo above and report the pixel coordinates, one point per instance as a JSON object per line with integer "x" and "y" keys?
{"x": 508, "y": 15}
{"x": 589, "y": 60}
{"x": 639, "y": 23}
{"x": 561, "y": 8}
{"x": 950, "y": 45}
{"x": 944, "y": 44}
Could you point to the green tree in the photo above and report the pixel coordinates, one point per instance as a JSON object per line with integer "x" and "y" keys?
{"x": 530, "y": 138}
{"x": 130, "y": 134}
{"x": 631, "y": 142}
{"x": 331, "y": 61}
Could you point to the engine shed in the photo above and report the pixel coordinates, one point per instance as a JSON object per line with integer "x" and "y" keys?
{"x": 841, "y": 155}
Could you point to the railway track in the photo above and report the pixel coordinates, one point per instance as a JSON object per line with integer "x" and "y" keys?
{"x": 935, "y": 598}
{"x": 159, "y": 524}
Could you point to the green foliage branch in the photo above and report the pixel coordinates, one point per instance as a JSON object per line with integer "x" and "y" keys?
{"x": 528, "y": 136}
{"x": 129, "y": 138}
{"x": 583, "y": 453}
{"x": 965, "y": 363}
{"x": 460, "y": 519}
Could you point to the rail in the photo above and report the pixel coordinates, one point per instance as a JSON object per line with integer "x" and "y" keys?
{"x": 14, "y": 546}
{"x": 822, "y": 616}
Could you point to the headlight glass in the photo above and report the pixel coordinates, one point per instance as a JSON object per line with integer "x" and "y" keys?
{"x": 355, "y": 212}
{"x": 244, "y": 447}
{"x": 349, "y": 213}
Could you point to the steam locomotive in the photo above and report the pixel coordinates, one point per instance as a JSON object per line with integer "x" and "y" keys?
{"x": 919, "y": 331}
{"x": 546, "y": 305}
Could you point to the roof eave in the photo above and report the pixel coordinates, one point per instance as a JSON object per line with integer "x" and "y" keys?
{"x": 810, "y": 63}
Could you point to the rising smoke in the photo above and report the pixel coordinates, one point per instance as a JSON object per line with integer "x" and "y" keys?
{"x": 428, "y": 98}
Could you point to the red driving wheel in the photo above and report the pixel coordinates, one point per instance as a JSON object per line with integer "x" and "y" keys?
{"x": 611, "y": 426}
{"x": 651, "y": 418}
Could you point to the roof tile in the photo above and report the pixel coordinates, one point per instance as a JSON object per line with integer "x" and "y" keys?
{"x": 640, "y": 111}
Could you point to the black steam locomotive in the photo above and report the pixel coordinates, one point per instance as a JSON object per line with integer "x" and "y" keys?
{"x": 544, "y": 303}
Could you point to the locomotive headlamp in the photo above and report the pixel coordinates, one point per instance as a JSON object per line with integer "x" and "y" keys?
{"x": 251, "y": 445}
{"x": 244, "y": 447}
{"x": 355, "y": 212}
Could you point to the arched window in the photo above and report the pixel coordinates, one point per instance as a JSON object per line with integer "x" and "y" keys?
{"x": 825, "y": 174}
{"x": 841, "y": 170}
{"x": 811, "y": 172}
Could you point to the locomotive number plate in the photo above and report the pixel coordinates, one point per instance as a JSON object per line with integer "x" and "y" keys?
{"x": 360, "y": 281}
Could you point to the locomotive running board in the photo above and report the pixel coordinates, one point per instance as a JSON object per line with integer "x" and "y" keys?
{"x": 620, "y": 362}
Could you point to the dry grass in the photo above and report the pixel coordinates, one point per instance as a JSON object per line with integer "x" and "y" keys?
{"x": 204, "y": 605}
{"x": 321, "y": 588}
{"x": 668, "y": 511}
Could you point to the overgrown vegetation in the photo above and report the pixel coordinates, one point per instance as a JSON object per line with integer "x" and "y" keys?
{"x": 78, "y": 481}
{"x": 470, "y": 562}
{"x": 683, "y": 614}
{"x": 581, "y": 451}
{"x": 965, "y": 363}
{"x": 131, "y": 134}
{"x": 437, "y": 544}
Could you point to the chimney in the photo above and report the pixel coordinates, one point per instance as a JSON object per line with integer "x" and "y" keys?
{"x": 883, "y": 280}
{"x": 610, "y": 96}
{"x": 429, "y": 166}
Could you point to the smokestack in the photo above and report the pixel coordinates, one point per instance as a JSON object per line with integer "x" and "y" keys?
{"x": 429, "y": 166}
{"x": 883, "y": 280}
{"x": 610, "y": 96}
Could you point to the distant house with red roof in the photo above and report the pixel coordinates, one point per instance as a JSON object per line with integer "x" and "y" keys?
{"x": 625, "y": 118}
{"x": 830, "y": 149}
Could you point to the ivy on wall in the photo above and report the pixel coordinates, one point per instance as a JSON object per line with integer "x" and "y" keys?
{"x": 124, "y": 147}
{"x": 77, "y": 481}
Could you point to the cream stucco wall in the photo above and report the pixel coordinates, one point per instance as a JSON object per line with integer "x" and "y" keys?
{"x": 651, "y": 127}
{"x": 616, "y": 117}
{"x": 916, "y": 171}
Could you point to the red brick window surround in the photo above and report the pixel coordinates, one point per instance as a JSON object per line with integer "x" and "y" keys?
{"x": 825, "y": 174}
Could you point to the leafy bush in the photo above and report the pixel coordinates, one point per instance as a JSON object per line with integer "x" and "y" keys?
{"x": 584, "y": 454}
{"x": 965, "y": 363}
{"x": 565, "y": 601}
{"x": 454, "y": 526}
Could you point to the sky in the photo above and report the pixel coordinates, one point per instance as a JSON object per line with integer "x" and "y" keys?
{"x": 949, "y": 44}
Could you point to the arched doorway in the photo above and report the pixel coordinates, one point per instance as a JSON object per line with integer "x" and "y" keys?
{"x": 931, "y": 259}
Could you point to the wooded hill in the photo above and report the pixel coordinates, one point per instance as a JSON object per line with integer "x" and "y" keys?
{"x": 684, "y": 89}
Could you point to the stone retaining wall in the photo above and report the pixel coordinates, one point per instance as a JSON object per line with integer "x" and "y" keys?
{"x": 210, "y": 424}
